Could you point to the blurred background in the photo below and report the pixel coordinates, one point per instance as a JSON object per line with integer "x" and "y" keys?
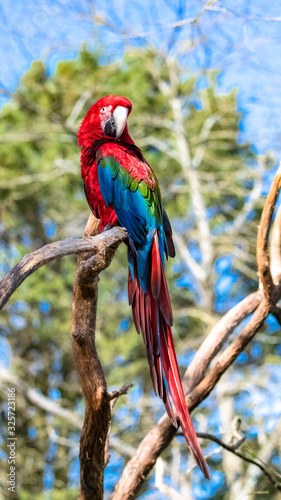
{"x": 210, "y": 70}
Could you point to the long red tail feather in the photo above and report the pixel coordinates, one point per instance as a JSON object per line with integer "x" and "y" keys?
{"x": 152, "y": 315}
{"x": 171, "y": 370}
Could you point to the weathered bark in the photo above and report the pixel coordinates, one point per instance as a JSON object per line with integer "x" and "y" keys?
{"x": 33, "y": 261}
{"x": 90, "y": 373}
{"x": 275, "y": 250}
{"x": 95, "y": 254}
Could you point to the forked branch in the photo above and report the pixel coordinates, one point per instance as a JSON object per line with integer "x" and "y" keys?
{"x": 30, "y": 263}
{"x": 95, "y": 254}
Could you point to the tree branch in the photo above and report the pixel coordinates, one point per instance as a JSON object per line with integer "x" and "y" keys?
{"x": 53, "y": 408}
{"x": 40, "y": 400}
{"x": 218, "y": 336}
{"x": 160, "y": 484}
{"x": 249, "y": 204}
{"x": 189, "y": 261}
{"x": 84, "y": 308}
{"x": 275, "y": 249}
{"x": 272, "y": 476}
{"x": 196, "y": 385}
{"x": 263, "y": 235}
{"x": 98, "y": 245}
{"x": 189, "y": 169}
{"x": 93, "y": 444}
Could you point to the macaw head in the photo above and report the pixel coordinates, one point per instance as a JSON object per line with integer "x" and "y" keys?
{"x": 106, "y": 118}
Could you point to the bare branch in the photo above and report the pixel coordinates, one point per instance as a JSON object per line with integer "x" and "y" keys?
{"x": 188, "y": 167}
{"x": 276, "y": 311}
{"x": 34, "y": 136}
{"x": 269, "y": 472}
{"x": 97, "y": 401}
{"x": 113, "y": 396}
{"x": 250, "y": 202}
{"x": 33, "y": 261}
{"x": 57, "y": 410}
{"x": 263, "y": 235}
{"x": 204, "y": 134}
{"x": 93, "y": 443}
{"x": 218, "y": 336}
{"x": 225, "y": 10}
{"x": 189, "y": 261}
{"x": 40, "y": 400}
{"x": 77, "y": 108}
{"x": 160, "y": 145}
{"x": 5, "y": 92}
{"x": 275, "y": 249}
{"x": 61, "y": 167}
{"x": 198, "y": 313}
{"x": 160, "y": 484}
{"x": 194, "y": 20}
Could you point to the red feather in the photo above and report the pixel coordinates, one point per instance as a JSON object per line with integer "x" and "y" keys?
{"x": 136, "y": 309}
{"x": 142, "y": 316}
{"x": 171, "y": 371}
{"x": 164, "y": 299}
{"x": 155, "y": 319}
{"x": 132, "y": 286}
{"x": 155, "y": 267}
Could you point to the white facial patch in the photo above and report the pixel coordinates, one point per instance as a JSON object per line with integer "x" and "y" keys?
{"x": 105, "y": 113}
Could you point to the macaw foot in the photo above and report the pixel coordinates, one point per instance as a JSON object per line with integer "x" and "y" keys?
{"x": 110, "y": 225}
{"x": 107, "y": 227}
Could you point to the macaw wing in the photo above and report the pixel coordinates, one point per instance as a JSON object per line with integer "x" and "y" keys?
{"x": 137, "y": 204}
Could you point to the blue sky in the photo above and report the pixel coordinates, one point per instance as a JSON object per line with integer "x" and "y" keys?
{"x": 241, "y": 38}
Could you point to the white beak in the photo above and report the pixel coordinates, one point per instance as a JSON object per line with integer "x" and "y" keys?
{"x": 120, "y": 115}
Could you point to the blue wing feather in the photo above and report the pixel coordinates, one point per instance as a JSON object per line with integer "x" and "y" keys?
{"x": 133, "y": 213}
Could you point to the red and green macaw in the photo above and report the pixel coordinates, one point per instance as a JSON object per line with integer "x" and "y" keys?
{"x": 122, "y": 189}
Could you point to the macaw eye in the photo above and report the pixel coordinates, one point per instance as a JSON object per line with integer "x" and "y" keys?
{"x": 103, "y": 109}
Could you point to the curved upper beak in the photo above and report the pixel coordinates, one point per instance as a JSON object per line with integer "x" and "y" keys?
{"x": 120, "y": 115}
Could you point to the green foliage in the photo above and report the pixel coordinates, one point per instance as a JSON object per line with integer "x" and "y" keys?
{"x": 62, "y": 494}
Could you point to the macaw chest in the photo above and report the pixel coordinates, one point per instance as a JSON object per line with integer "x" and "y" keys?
{"x": 95, "y": 200}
